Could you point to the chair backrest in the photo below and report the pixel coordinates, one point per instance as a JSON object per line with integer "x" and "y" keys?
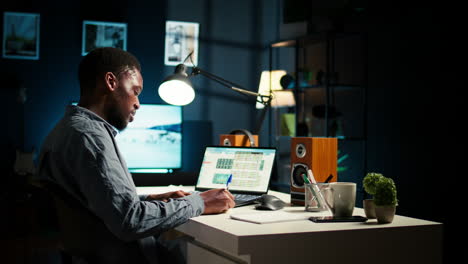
{"x": 84, "y": 235}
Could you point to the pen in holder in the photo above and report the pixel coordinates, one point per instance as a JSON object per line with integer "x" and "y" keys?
{"x": 311, "y": 194}
{"x": 314, "y": 199}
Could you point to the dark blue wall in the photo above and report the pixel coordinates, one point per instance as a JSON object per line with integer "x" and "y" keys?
{"x": 228, "y": 48}
{"x": 51, "y": 81}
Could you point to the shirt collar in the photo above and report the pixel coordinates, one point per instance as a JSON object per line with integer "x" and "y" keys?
{"x": 75, "y": 109}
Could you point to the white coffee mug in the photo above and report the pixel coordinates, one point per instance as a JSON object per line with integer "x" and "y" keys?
{"x": 341, "y": 198}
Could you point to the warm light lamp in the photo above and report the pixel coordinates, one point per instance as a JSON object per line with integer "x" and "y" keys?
{"x": 270, "y": 85}
{"x": 283, "y": 98}
{"x": 177, "y": 88}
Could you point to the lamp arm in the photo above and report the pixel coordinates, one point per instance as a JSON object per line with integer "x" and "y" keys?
{"x": 265, "y": 99}
{"x": 243, "y": 91}
{"x": 224, "y": 82}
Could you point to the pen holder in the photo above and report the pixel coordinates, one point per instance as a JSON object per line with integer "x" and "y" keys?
{"x": 314, "y": 197}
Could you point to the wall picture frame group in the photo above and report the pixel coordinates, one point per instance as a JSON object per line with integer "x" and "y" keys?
{"x": 21, "y": 35}
{"x": 21, "y": 38}
{"x": 97, "y": 34}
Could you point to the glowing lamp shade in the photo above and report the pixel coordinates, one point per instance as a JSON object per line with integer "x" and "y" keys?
{"x": 283, "y": 98}
{"x": 176, "y": 92}
{"x": 177, "y": 89}
{"x": 268, "y": 79}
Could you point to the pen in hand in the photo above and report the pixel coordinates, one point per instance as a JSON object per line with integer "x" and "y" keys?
{"x": 228, "y": 181}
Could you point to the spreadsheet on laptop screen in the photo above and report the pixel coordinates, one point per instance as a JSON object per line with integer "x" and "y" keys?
{"x": 250, "y": 168}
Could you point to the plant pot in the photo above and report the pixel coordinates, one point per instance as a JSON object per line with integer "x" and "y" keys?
{"x": 385, "y": 213}
{"x": 369, "y": 208}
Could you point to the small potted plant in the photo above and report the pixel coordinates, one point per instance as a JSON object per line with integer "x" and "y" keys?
{"x": 385, "y": 199}
{"x": 370, "y": 183}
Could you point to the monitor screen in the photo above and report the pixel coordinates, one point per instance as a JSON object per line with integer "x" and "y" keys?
{"x": 153, "y": 141}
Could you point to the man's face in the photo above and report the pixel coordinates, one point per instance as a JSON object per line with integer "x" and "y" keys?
{"x": 124, "y": 100}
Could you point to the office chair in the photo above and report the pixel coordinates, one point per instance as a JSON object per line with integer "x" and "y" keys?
{"x": 84, "y": 236}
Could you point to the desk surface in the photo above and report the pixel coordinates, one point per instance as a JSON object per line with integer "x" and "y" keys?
{"x": 239, "y": 237}
{"x": 241, "y": 228}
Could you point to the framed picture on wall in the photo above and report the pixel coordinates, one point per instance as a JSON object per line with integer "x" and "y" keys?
{"x": 21, "y": 35}
{"x": 103, "y": 34}
{"x": 181, "y": 40}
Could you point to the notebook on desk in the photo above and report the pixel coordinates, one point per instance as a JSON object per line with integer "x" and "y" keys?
{"x": 251, "y": 170}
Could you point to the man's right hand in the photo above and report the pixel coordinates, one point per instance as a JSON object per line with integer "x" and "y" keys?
{"x": 217, "y": 201}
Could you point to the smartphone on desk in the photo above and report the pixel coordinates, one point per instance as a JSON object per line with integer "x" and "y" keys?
{"x": 335, "y": 219}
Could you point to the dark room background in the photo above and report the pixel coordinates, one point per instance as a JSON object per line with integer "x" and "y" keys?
{"x": 228, "y": 43}
{"x": 402, "y": 54}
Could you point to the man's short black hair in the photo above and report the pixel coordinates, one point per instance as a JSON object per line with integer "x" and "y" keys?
{"x": 101, "y": 60}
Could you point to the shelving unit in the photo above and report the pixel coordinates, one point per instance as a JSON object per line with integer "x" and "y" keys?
{"x": 330, "y": 85}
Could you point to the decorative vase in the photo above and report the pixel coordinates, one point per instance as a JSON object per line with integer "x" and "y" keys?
{"x": 369, "y": 208}
{"x": 385, "y": 213}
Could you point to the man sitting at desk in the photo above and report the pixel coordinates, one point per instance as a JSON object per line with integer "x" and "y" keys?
{"x": 81, "y": 155}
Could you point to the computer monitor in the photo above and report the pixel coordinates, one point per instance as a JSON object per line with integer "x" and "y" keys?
{"x": 152, "y": 143}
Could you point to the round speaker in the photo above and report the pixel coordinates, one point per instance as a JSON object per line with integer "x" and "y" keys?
{"x": 300, "y": 150}
{"x": 297, "y": 175}
{"x": 227, "y": 142}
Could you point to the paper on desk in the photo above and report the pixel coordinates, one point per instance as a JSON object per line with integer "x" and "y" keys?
{"x": 260, "y": 217}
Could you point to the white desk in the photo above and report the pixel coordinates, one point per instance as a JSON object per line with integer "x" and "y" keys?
{"x": 220, "y": 239}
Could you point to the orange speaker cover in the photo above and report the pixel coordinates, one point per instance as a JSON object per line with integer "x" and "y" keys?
{"x": 236, "y": 140}
{"x": 319, "y": 154}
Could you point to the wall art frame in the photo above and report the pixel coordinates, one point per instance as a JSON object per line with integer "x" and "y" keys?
{"x": 98, "y": 34}
{"x": 181, "y": 40}
{"x": 21, "y": 35}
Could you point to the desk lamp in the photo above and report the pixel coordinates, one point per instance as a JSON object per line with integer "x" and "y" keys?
{"x": 177, "y": 88}
{"x": 275, "y": 83}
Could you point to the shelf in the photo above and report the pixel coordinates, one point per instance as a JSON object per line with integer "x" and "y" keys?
{"x": 313, "y": 39}
{"x": 336, "y": 87}
{"x": 345, "y": 138}
{"x": 286, "y": 43}
{"x": 351, "y": 138}
{"x": 285, "y": 139}
{"x": 329, "y": 71}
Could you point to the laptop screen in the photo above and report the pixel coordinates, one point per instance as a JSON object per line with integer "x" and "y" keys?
{"x": 250, "y": 168}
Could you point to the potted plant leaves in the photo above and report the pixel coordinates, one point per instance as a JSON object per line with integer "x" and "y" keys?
{"x": 385, "y": 199}
{"x": 370, "y": 183}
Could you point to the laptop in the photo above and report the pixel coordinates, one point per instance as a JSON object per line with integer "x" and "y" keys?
{"x": 251, "y": 170}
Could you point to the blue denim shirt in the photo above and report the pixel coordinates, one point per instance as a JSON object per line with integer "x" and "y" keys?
{"x": 82, "y": 156}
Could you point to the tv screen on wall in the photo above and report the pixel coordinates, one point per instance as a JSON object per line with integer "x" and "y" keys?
{"x": 153, "y": 141}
